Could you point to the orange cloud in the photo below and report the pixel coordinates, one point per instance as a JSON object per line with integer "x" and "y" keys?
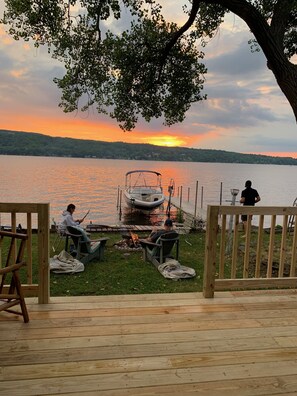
{"x": 4, "y": 37}
{"x": 63, "y": 126}
{"x": 264, "y": 90}
{"x": 18, "y": 73}
{"x": 66, "y": 125}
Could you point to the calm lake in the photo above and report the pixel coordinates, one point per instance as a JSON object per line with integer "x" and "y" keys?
{"x": 94, "y": 183}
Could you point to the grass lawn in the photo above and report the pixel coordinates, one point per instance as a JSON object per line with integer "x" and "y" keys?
{"x": 127, "y": 273}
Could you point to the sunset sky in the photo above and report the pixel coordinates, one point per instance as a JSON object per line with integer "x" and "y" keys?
{"x": 245, "y": 111}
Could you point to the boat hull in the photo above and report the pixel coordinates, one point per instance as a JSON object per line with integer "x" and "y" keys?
{"x": 147, "y": 202}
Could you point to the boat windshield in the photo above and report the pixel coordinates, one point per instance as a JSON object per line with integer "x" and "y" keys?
{"x": 149, "y": 179}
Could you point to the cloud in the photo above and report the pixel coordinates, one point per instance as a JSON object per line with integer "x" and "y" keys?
{"x": 232, "y": 112}
{"x": 241, "y": 90}
{"x": 239, "y": 62}
{"x": 6, "y": 62}
{"x": 274, "y": 143}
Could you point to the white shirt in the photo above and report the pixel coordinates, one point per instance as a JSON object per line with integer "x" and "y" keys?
{"x": 68, "y": 220}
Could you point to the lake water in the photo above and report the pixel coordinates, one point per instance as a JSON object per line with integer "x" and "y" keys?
{"x": 93, "y": 183}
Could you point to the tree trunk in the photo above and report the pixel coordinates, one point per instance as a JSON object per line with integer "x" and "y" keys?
{"x": 287, "y": 81}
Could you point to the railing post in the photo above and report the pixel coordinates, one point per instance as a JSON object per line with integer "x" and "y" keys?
{"x": 210, "y": 251}
{"x": 29, "y": 249}
{"x": 43, "y": 254}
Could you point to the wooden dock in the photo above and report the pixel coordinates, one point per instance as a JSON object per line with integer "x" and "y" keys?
{"x": 180, "y": 228}
{"x": 237, "y": 344}
{"x": 190, "y": 213}
{"x": 118, "y": 228}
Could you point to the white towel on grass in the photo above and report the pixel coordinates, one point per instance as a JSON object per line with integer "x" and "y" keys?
{"x": 64, "y": 263}
{"x": 172, "y": 269}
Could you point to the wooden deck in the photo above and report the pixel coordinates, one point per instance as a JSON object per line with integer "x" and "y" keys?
{"x": 237, "y": 344}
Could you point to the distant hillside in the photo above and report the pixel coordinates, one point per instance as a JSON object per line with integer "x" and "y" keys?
{"x": 25, "y": 143}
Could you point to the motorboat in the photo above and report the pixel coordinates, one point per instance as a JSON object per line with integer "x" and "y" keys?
{"x": 143, "y": 189}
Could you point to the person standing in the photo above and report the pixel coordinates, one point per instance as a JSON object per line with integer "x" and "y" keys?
{"x": 249, "y": 196}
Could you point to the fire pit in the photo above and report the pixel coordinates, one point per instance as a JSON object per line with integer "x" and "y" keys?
{"x": 129, "y": 242}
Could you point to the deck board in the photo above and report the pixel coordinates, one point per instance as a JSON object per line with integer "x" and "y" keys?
{"x": 239, "y": 343}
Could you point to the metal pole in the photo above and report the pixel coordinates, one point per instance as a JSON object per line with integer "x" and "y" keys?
{"x": 234, "y": 192}
{"x": 188, "y": 194}
{"x": 181, "y": 196}
{"x": 196, "y": 197}
{"x": 201, "y": 197}
{"x": 170, "y": 191}
{"x": 120, "y": 211}
{"x": 221, "y": 193}
{"x": 118, "y": 197}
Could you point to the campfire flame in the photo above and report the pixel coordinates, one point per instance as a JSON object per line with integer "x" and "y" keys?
{"x": 130, "y": 241}
{"x": 134, "y": 238}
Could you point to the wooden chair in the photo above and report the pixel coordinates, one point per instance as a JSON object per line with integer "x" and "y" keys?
{"x": 61, "y": 237}
{"x": 86, "y": 248}
{"x": 157, "y": 252}
{"x": 15, "y": 295}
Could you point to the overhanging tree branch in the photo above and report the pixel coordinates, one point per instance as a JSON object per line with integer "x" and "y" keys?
{"x": 184, "y": 28}
{"x": 178, "y": 34}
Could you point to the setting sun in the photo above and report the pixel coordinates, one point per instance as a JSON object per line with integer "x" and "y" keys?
{"x": 168, "y": 141}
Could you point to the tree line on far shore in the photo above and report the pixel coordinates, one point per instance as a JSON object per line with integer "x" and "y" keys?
{"x": 35, "y": 144}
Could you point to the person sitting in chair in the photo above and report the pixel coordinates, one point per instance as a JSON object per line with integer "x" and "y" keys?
{"x": 155, "y": 235}
{"x": 158, "y": 246}
{"x": 68, "y": 217}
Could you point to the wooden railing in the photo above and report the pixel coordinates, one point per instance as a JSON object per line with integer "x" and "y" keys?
{"x": 12, "y": 211}
{"x": 257, "y": 258}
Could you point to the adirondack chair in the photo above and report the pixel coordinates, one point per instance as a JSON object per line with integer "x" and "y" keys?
{"x": 14, "y": 295}
{"x": 86, "y": 248}
{"x": 157, "y": 252}
{"x": 61, "y": 237}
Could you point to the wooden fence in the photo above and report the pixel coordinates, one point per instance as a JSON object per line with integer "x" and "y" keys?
{"x": 258, "y": 258}
{"x": 27, "y": 210}
{"x": 233, "y": 259}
